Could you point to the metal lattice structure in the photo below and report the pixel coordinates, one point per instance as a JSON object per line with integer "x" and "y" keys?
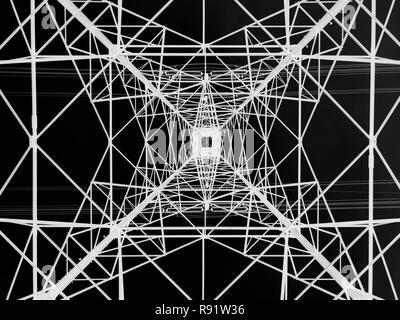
{"x": 204, "y": 141}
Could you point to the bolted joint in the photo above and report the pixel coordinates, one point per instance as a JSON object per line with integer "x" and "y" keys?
{"x": 115, "y": 231}
{"x": 33, "y": 141}
{"x": 373, "y": 141}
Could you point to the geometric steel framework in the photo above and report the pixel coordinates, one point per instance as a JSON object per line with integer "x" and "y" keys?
{"x": 239, "y": 141}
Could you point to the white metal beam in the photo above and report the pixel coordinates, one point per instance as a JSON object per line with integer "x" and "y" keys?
{"x": 353, "y": 292}
{"x": 296, "y": 51}
{"x": 54, "y": 291}
{"x": 115, "y": 51}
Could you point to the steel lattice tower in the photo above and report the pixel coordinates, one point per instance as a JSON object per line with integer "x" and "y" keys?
{"x": 239, "y": 141}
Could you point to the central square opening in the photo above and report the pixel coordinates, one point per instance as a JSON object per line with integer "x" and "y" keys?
{"x": 206, "y": 142}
